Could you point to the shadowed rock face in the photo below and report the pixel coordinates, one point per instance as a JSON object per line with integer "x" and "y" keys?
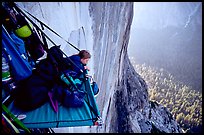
{"x": 134, "y": 112}
{"x": 123, "y": 93}
{"x": 123, "y": 98}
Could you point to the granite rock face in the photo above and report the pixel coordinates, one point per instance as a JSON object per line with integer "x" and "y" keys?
{"x": 104, "y": 29}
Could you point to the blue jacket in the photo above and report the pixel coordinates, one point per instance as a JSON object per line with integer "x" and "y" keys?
{"x": 77, "y": 61}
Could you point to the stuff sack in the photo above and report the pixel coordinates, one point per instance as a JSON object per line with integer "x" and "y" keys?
{"x": 73, "y": 99}
{"x": 95, "y": 88}
{"x": 69, "y": 98}
{"x": 14, "y": 47}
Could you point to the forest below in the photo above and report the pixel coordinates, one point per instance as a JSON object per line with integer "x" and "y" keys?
{"x": 182, "y": 101}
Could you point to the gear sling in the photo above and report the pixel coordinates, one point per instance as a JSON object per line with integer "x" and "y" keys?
{"x": 45, "y": 116}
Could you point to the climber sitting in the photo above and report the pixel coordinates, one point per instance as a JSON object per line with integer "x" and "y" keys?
{"x": 81, "y": 59}
{"x": 77, "y": 66}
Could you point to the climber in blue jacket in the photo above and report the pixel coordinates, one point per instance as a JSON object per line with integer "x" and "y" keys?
{"x": 80, "y": 61}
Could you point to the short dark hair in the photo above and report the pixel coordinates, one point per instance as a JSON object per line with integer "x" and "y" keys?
{"x": 84, "y": 54}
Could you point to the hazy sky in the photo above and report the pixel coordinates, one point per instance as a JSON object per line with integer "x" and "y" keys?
{"x": 169, "y": 35}
{"x": 154, "y": 15}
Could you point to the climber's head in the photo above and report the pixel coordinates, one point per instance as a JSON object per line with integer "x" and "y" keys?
{"x": 84, "y": 56}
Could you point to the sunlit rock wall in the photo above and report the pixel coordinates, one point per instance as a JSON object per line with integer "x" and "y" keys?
{"x": 104, "y": 29}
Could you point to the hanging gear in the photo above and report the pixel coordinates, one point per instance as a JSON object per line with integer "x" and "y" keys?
{"x": 23, "y": 31}
{"x": 14, "y": 49}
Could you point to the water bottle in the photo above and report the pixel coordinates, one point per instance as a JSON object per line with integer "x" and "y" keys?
{"x": 7, "y": 81}
{"x": 5, "y": 70}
